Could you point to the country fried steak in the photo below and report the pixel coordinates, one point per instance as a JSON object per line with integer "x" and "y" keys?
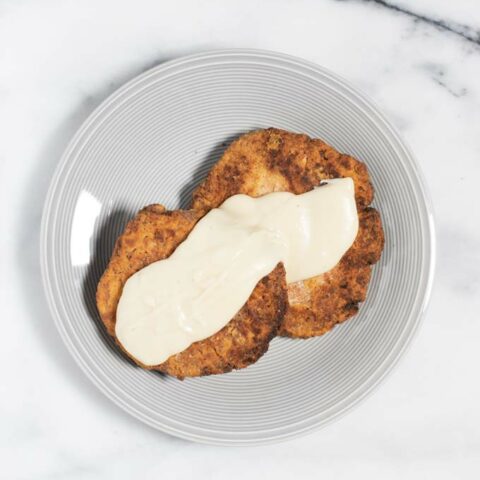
{"x": 274, "y": 160}
{"x": 153, "y": 235}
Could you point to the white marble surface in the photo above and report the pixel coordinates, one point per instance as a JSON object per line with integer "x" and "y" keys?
{"x": 59, "y": 59}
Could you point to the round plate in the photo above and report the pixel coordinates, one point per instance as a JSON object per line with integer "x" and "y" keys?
{"x": 152, "y": 142}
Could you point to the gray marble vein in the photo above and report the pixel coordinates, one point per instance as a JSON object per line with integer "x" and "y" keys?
{"x": 466, "y": 32}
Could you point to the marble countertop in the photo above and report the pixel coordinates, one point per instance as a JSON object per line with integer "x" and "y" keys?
{"x": 420, "y": 60}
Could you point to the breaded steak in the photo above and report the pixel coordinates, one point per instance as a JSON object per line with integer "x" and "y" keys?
{"x": 153, "y": 235}
{"x": 274, "y": 160}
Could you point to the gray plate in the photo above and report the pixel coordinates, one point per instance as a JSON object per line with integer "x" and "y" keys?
{"x": 152, "y": 142}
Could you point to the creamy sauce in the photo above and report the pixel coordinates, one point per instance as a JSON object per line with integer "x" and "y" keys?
{"x": 170, "y": 304}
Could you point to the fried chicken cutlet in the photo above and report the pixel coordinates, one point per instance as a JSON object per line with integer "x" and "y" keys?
{"x": 274, "y": 160}
{"x": 153, "y": 235}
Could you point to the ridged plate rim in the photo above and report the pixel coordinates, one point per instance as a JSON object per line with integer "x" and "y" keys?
{"x": 382, "y": 370}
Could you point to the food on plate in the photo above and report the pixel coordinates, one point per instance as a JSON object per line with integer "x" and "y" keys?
{"x": 280, "y": 239}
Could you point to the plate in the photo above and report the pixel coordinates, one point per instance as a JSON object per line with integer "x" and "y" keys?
{"x": 152, "y": 142}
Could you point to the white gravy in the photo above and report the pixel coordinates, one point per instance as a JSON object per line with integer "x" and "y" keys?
{"x": 172, "y": 303}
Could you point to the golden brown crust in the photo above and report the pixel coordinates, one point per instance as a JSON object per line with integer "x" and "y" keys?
{"x": 274, "y": 160}
{"x": 153, "y": 235}
{"x": 271, "y": 160}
